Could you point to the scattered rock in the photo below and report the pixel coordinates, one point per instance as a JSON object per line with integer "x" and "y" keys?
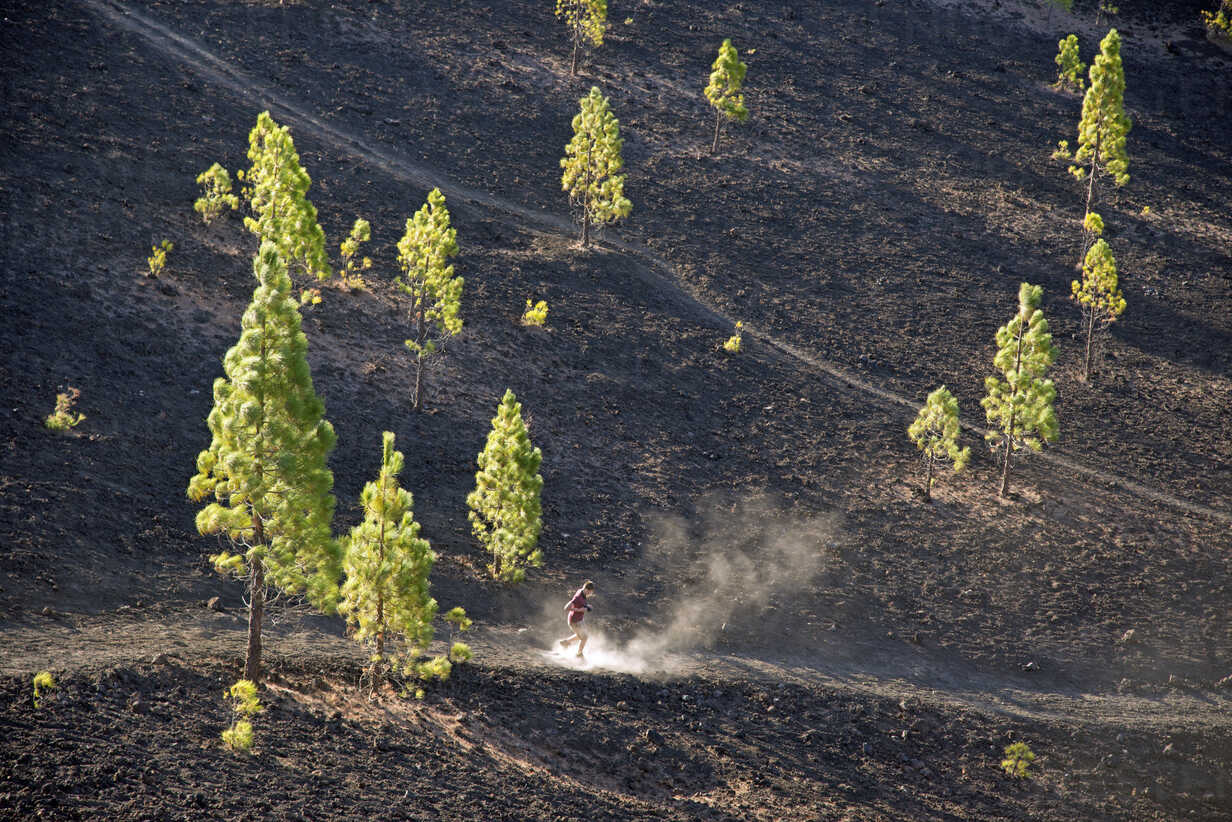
{"x": 1226, "y": 682}
{"x": 137, "y": 704}
{"x": 1127, "y": 638}
{"x": 47, "y": 611}
{"x": 214, "y": 604}
{"x": 653, "y": 737}
{"x": 160, "y": 659}
{"x": 1030, "y": 666}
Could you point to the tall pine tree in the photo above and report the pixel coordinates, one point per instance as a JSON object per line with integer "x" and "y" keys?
{"x": 428, "y": 279}
{"x": 505, "y": 510}
{"x": 592, "y": 163}
{"x": 387, "y": 564}
{"x": 266, "y": 465}
{"x": 724, "y": 90}
{"x": 1104, "y": 126}
{"x": 276, "y": 187}
{"x": 1021, "y": 404}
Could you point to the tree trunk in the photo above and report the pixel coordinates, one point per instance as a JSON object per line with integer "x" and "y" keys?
{"x": 585, "y": 228}
{"x": 1086, "y": 363}
{"x": 928, "y": 481}
{"x": 256, "y": 612}
{"x": 577, "y": 41}
{"x": 421, "y": 337}
{"x": 718, "y": 122}
{"x": 1086, "y": 235}
{"x": 1005, "y": 468}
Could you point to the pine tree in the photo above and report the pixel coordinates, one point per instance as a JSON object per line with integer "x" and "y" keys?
{"x": 387, "y": 564}
{"x": 427, "y": 278}
{"x": 1098, "y": 294}
{"x": 591, "y": 164}
{"x": 266, "y": 465}
{"x": 935, "y": 432}
{"x": 505, "y": 507}
{"x": 1104, "y": 125}
{"x": 1069, "y": 66}
{"x": 587, "y": 21}
{"x": 276, "y": 187}
{"x": 1021, "y": 405}
{"x": 724, "y": 90}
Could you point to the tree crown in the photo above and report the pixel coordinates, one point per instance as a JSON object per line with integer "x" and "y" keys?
{"x": 592, "y": 161}
{"x": 726, "y": 81}
{"x": 1104, "y": 125}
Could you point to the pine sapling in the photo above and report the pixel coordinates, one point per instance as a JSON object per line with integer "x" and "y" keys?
{"x": 1020, "y": 405}
{"x": 458, "y": 621}
{"x": 266, "y": 467}
{"x": 44, "y": 683}
{"x": 216, "y": 198}
{"x": 1070, "y": 67}
{"x": 724, "y": 90}
{"x": 385, "y": 597}
{"x": 245, "y": 705}
{"x": 63, "y": 417}
{"x": 353, "y": 265}
{"x": 505, "y": 510}
{"x": 587, "y": 22}
{"x": 157, "y": 261}
{"x": 536, "y": 314}
{"x": 592, "y": 163}
{"x": 935, "y": 432}
{"x": 734, "y": 342}
{"x": 1099, "y": 296}
{"x": 1018, "y": 759}
{"x": 428, "y": 279}
{"x": 276, "y": 187}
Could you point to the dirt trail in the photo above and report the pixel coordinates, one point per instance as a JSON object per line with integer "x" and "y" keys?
{"x": 211, "y": 67}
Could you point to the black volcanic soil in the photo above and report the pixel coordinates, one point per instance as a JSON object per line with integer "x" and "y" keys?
{"x": 870, "y": 225}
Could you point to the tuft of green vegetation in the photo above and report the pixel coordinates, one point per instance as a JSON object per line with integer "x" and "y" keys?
{"x": 63, "y": 418}
{"x": 733, "y": 344}
{"x": 245, "y": 705}
{"x": 44, "y": 683}
{"x": 352, "y": 264}
{"x": 157, "y": 261}
{"x": 1219, "y": 22}
{"x": 536, "y": 314}
{"x": 460, "y": 652}
{"x": 217, "y": 197}
{"x": 1018, "y": 759}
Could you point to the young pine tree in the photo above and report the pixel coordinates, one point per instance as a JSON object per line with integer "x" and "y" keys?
{"x": 592, "y": 164}
{"x": 276, "y": 187}
{"x": 1069, "y": 66}
{"x": 1020, "y": 406}
{"x": 587, "y": 21}
{"x": 387, "y": 564}
{"x": 1104, "y": 125}
{"x": 505, "y": 508}
{"x": 935, "y": 432}
{"x": 1098, "y": 294}
{"x": 266, "y": 466}
{"x": 427, "y": 278}
{"x": 724, "y": 90}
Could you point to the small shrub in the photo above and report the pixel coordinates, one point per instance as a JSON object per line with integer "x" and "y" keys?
{"x": 732, "y": 346}
{"x": 44, "y": 683}
{"x": 310, "y": 296}
{"x": 536, "y": 313}
{"x": 458, "y": 619}
{"x": 217, "y": 197}
{"x": 1018, "y": 759}
{"x": 158, "y": 260}
{"x": 63, "y": 417}
{"x": 239, "y": 736}
{"x": 438, "y": 668}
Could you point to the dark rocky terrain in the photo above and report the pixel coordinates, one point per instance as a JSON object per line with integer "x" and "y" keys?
{"x": 872, "y": 654}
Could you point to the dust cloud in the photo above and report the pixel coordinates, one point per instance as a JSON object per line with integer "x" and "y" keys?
{"x": 722, "y": 569}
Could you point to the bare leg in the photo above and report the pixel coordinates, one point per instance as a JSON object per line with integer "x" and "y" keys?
{"x": 582, "y": 637}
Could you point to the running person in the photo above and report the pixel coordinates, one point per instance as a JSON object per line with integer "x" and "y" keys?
{"x": 577, "y": 609}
